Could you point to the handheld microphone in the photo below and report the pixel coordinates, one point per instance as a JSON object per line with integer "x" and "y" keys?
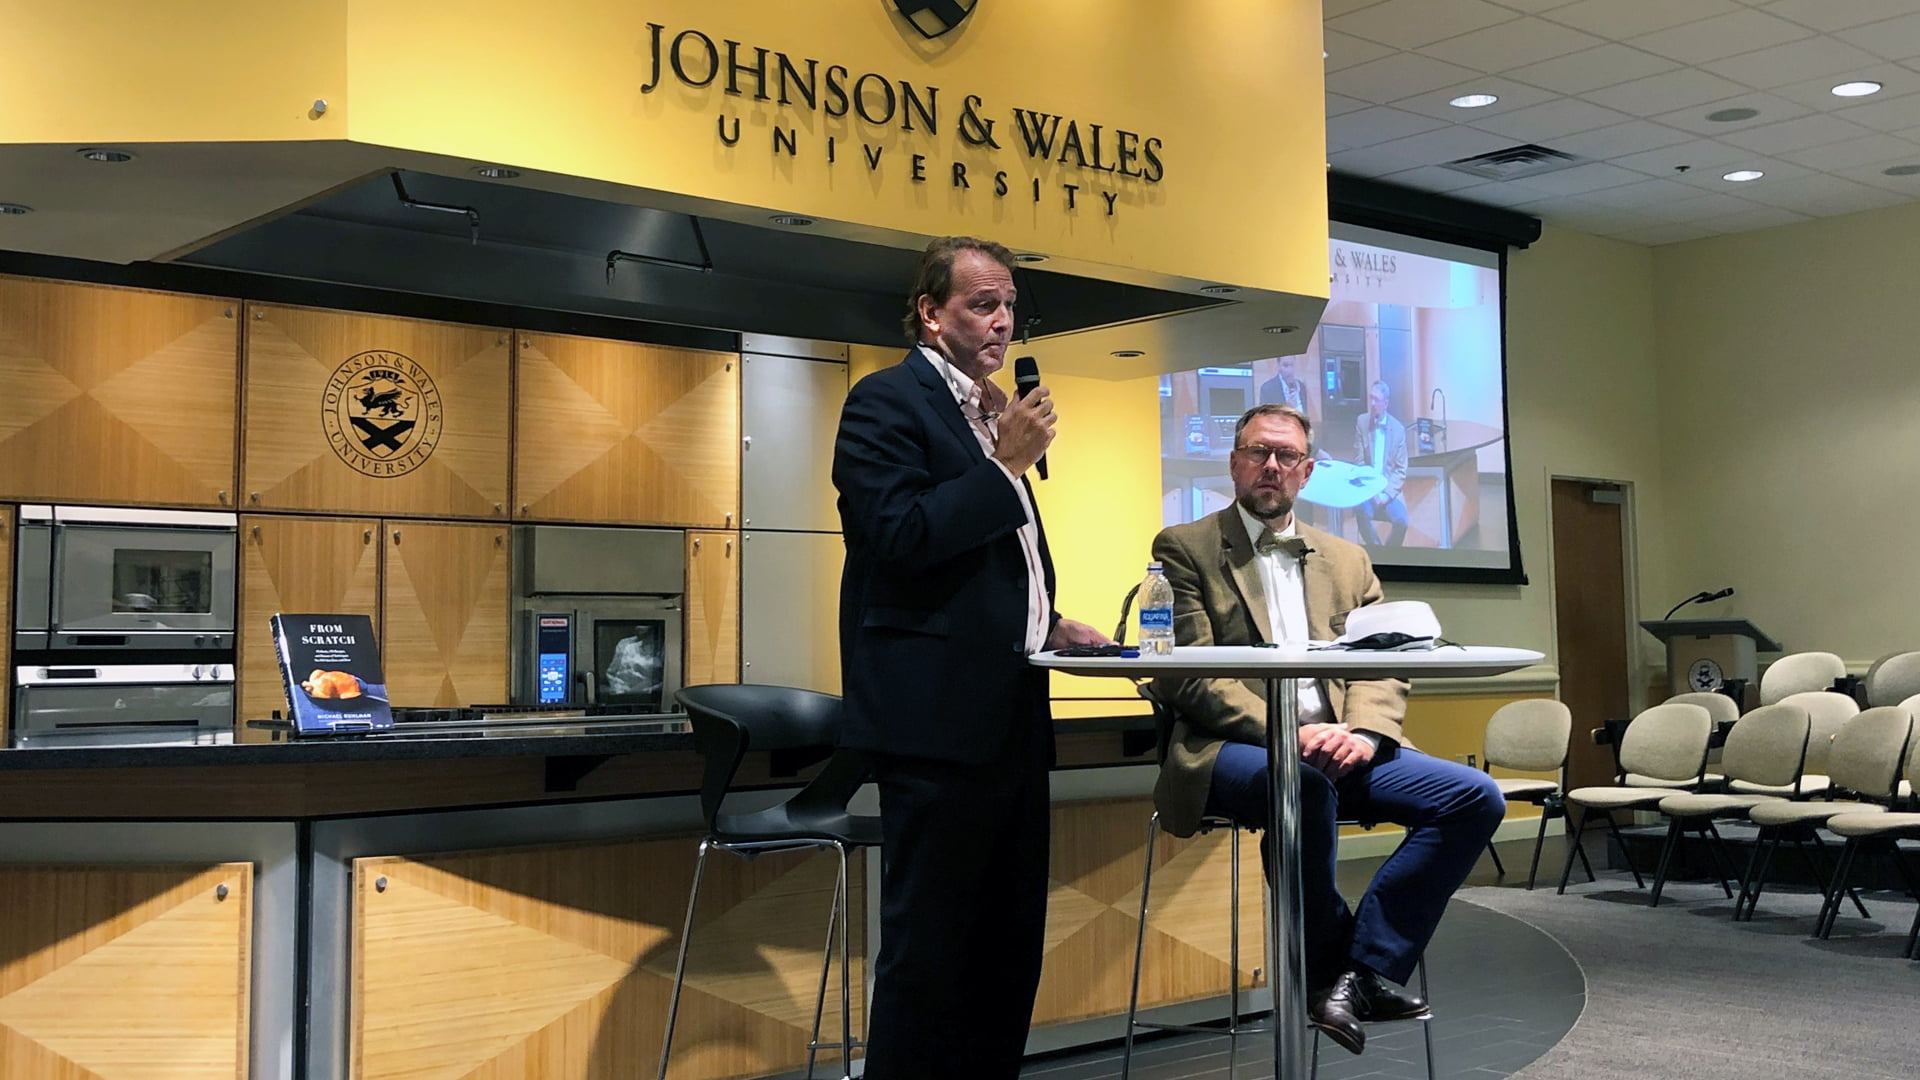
{"x": 1026, "y": 376}
{"x": 1699, "y": 598}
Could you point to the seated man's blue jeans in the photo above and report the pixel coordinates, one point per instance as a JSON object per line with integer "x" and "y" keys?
{"x": 1449, "y": 812}
{"x": 1394, "y": 512}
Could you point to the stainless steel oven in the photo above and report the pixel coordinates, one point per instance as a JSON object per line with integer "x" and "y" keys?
{"x": 601, "y": 617}
{"x": 122, "y": 704}
{"x": 92, "y": 578}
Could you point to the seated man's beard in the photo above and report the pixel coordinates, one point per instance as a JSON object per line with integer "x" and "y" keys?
{"x": 1267, "y": 507}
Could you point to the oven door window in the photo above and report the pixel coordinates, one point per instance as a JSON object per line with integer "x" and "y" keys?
{"x": 630, "y": 662}
{"x": 166, "y": 582}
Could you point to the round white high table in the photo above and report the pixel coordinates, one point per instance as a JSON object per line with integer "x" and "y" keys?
{"x": 1279, "y": 667}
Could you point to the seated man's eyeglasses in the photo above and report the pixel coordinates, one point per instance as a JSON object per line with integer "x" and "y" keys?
{"x": 1256, "y": 454}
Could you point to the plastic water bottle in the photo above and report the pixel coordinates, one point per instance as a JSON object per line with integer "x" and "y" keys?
{"x": 1156, "y": 613}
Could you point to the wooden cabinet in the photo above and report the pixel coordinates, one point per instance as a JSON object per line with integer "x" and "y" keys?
{"x": 713, "y": 608}
{"x": 366, "y": 414}
{"x": 444, "y": 594}
{"x": 297, "y": 564}
{"x": 112, "y": 971}
{"x": 614, "y": 432}
{"x": 116, "y": 395}
{"x": 557, "y": 963}
{"x": 6, "y": 623}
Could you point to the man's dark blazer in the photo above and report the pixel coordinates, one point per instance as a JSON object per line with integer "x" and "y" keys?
{"x": 933, "y": 601}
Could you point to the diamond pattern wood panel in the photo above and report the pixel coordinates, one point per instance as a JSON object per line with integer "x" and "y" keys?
{"x": 445, "y": 623}
{"x": 557, "y": 963}
{"x": 116, "y": 395}
{"x": 637, "y": 434}
{"x": 366, "y": 414}
{"x": 125, "y": 973}
{"x": 295, "y": 564}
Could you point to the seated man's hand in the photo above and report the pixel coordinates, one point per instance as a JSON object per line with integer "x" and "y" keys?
{"x": 1068, "y": 633}
{"x": 1333, "y": 749}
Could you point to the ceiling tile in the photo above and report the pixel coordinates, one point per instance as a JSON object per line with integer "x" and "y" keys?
{"x": 1885, "y": 114}
{"x": 1512, "y": 96}
{"x": 1830, "y": 15}
{"x": 1546, "y": 122}
{"x": 1767, "y": 110}
{"x": 1591, "y": 69}
{"x": 1666, "y": 234}
{"x": 1713, "y": 178}
{"x": 1867, "y": 150}
{"x": 1616, "y": 140}
{"x": 1875, "y": 176}
{"x": 1760, "y": 217}
{"x": 1893, "y": 39}
{"x": 1807, "y": 131}
{"x": 1511, "y": 44}
{"x": 1344, "y": 50}
{"x": 1664, "y": 93}
{"x": 1583, "y": 178}
{"x": 1368, "y": 161}
{"x": 1375, "y": 124}
{"x": 1503, "y": 193}
{"x": 1619, "y": 19}
{"x": 1434, "y": 178}
{"x": 1699, "y": 207}
{"x": 1338, "y": 104}
{"x": 1411, "y": 24}
{"x": 1393, "y": 77}
{"x": 1668, "y": 160}
{"x": 1643, "y": 195}
{"x": 1450, "y": 143}
{"x": 1570, "y": 213}
{"x": 1824, "y": 196}
{"x": 1723, "y": 35}
{"x": 1817, "y": 93}
{"x": 1793, "y": 62}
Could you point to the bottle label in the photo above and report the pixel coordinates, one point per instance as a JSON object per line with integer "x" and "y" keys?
{"x": 1156, "y": 618}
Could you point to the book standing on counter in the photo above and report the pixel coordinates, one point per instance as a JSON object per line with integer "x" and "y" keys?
{"x": 330, "y": 666}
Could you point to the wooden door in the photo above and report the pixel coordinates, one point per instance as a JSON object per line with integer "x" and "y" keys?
{"x": 610, "y": 431}
{"x": 1590, "y": 617}
{"x": 304, "y": 565}
{"x": 125, "y": 971}
{"x": 365, "y": 414}
{"x": 116, "y": 395}
{"x": 713, "y": 608}
{"x": 444, "y": 598}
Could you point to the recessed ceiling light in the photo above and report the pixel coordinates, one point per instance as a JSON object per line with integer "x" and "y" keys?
{"x": 1127, "y": 354}
{"x": 1280, "y": 329}
{"x": 1029, "y": 257}
{"x": 1219, "y": 290}
{"x": 1901, "y": 170}
{"x": 104, "y": 155}
{"x": 1728, "y": 116}
{"x": 1856, "y": 89}
{"x": 791, "y": 220}
{"x": 1741, "y": 176}
{"x": 496, "y": 172}
{"x": 12, "y": 208}
{"x": 1474, "y": 101}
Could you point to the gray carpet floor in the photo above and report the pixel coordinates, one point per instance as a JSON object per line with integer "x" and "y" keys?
{"x": 1682, "y": 991}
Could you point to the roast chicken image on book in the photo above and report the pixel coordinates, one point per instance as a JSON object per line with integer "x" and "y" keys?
{"x": 331, "y": 684}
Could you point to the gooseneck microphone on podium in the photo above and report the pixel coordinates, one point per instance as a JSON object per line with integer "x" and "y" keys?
{"x": 1699, "y": 598}
{"x": 1026, "y": 376}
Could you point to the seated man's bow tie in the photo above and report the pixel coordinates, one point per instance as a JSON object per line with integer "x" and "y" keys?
{"x": 1291, "y": 545}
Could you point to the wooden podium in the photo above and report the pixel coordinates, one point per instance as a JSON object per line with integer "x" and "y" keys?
{"x": 1704, "y": 653}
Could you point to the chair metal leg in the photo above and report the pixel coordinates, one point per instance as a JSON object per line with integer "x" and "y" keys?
{"x": 1666, "y": 858}
{"x": 1233, "y": 952}
{"x": 1613, "y": 829}
{"x": 820, "y": 995}
{"x": 1539, "y": 839}
{"x": 1913, "y": 890}
{"x": 1313, "y": 1070}
{"x": 1723, "y": 859}
{"x": 1757, "y": 875}
{"x": 1746, "y": 876}
{"x": 1836, "y": 890}
{"x": 1426, "y": 1025}
{"x": 1497, "y": 868}
{"x": 1573, "y": 845}
{"x": 1820, "y": 847}
{"x": 680, "y": 965}
{"x": 1140, "y": 942}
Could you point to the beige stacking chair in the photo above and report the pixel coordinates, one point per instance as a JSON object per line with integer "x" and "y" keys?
{"x": 1666, "y": 742}
{"x": 1828, "y": 710}
{"x": 1766, "y": 748}
{"x": 1530, "y": 736}
{"x": 1875, "y": 834}
{"x": 1893, "y": 679}
{"x": 1799, "y": 673}
{"x": 1724, "y": 710}
{"x": 1864, "y": 759}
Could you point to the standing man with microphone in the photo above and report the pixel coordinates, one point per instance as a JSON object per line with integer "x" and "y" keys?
{"x": 948, "y": 588}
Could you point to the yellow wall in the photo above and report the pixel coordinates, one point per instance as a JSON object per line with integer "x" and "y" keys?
{"x": 1789, "y": 392}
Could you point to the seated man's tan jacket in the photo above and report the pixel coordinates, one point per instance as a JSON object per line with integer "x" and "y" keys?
{"x": 1218, "y": 600}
